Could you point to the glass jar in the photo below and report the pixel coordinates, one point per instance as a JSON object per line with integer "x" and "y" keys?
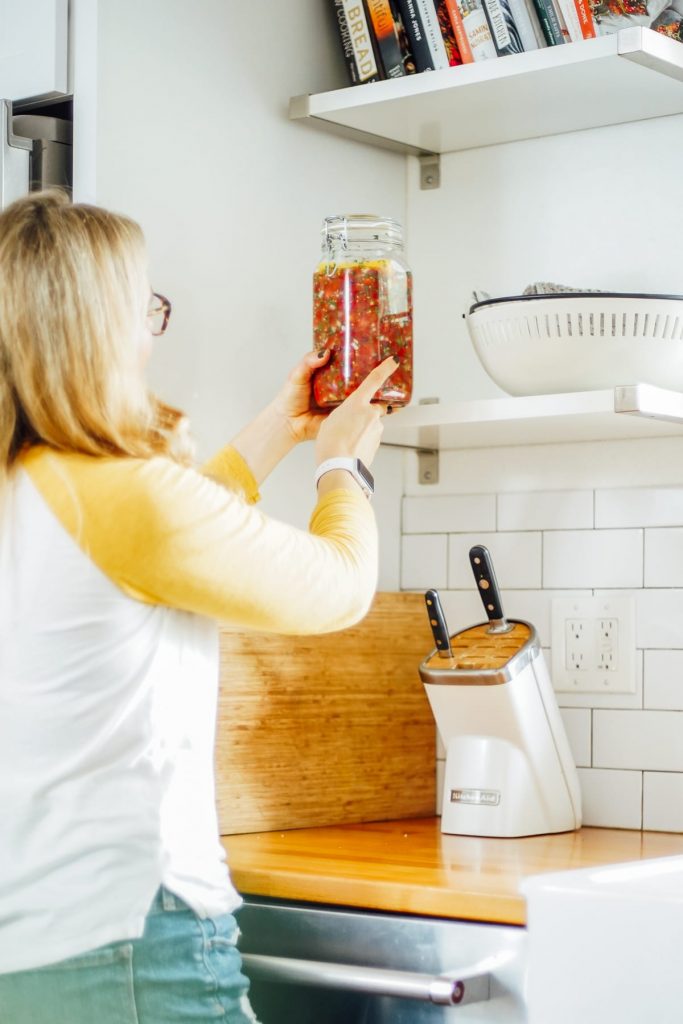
{"x": 362, "y": 308}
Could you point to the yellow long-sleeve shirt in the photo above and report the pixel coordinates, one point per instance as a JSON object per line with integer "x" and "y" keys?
{"x": 113, "y": 573}
{"x": 193, "y": 540}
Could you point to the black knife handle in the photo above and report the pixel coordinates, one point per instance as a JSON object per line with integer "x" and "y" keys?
{"x": 482, "y": 567}
{"x": 437, "y": 620}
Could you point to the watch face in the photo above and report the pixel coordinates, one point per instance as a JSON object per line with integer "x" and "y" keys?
{"x": 366, "y": 476}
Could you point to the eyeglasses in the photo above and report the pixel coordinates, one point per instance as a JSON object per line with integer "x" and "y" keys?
{"x": 159, "y": 313}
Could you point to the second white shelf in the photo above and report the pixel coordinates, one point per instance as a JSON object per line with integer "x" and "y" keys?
{"x": 629, "y": 411}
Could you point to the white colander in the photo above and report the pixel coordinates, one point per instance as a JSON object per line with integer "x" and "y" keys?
{"x": 545, "y": 344}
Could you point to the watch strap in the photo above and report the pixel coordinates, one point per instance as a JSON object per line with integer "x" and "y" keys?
{"x": 355, "y": 467}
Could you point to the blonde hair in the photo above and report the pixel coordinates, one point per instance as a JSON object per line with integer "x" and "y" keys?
{"x": 73, "y": 295}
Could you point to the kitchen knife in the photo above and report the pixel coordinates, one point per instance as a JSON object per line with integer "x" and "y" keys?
{"x": 437, "y": 620}
{"x": 482, "y": 567}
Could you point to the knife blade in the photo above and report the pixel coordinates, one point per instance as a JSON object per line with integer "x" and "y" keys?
{"x": 437, "y": 620}
{"x": 482, "y": 567}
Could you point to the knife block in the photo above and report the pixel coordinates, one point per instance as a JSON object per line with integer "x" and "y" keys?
{"x": 509, "y": 770}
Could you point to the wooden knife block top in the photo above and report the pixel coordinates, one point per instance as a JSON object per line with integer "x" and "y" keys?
{"x": 324, "y": 730}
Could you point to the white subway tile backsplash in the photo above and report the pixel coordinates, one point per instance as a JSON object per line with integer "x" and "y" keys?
{"x": 548, "y": 542}
{"x": 611, "y": 799}
{"x": 449, "y": 513}
{"x": 593, "y": 558}
{"x": 577, "y": 723}
{"x": 639, "y": 506}
{"x": 659, "y": 619}
{"x": 462, "y": 608}
{"x": 649, "y": 740}
{"x": 664, "y": 558}
{"x": 663, "y": 801}
{"x": 663, "y": 680}
{"x": 424, "y": 561}
{"x": 516, "y": 559}
{"x": 546, "y": 510}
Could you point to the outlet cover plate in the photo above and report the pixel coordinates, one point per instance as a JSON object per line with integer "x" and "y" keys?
{"x": 594, "y": 677}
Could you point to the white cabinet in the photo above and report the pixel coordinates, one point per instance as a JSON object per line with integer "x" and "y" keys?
{"x": 33, "y": 49}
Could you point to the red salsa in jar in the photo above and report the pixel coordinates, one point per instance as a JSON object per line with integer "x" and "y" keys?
{"x": 362, "y": 310}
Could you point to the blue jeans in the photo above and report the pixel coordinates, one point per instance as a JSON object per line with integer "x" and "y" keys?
{"x": 183, "y": 970}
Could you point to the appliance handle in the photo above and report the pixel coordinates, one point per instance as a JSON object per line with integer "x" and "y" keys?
{"x": 446, "y": 989}
{"x": 15, "y": 152}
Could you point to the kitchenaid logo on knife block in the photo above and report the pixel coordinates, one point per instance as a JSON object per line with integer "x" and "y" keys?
{"x": 482, "y": 797}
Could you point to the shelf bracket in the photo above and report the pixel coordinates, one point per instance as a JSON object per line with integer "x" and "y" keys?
{"x": 430, "y": 170}
{"x": 427, "y": 465}
{"x": 428, "y": 450}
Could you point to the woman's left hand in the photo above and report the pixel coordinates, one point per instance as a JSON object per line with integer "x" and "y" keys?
{"x": 294, "y": 403}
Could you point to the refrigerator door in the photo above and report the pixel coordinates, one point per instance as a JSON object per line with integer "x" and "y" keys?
{"x": 15, "y": 155}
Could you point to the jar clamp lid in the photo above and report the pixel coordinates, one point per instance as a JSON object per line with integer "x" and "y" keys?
{"x": 346, "y": 230}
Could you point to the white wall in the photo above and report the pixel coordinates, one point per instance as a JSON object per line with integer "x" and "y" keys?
{"x": 593, "y": 209}
{"x": 190, "y": 102}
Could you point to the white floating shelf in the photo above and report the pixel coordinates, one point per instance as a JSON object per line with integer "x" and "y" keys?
{"x": 630, "y": 411}
{"x": 629, "y": 76}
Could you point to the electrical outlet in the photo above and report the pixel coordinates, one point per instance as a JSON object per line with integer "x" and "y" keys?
{"x": 608, "y": 645}
{"x": 578, "y": 646}
{"x": 593, "y": 645}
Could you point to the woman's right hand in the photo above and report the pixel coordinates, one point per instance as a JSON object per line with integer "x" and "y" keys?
{"x": 354, "y": 428}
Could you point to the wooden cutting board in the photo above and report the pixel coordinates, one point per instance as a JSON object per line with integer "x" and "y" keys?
{"x": 326, "y": 730}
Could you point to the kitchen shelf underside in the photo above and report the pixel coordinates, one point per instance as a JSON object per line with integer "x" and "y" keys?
{"x": 629, "y": 411}
{"x": 629, "y": 76}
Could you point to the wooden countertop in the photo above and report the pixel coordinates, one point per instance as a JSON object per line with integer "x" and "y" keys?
{"x": 409, "y": 866}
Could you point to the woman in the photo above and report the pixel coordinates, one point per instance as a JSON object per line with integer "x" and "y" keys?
{"x": 116, "y": 561}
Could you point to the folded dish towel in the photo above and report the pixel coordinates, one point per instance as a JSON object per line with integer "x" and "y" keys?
{"x": 548, "y": 288}
{"x": 538, "y": 288}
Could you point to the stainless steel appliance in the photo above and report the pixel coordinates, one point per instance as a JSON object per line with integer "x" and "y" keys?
{"x": 51, "y": 147}
{"x": 35, "y": 152}
{"x": 323, "y": 965}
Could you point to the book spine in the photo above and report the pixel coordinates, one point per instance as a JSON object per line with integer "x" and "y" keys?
{"x": 524, "y": 25}
{"x": 583, "y": 9}
{"x": 536, "y": 22}
{"x": 447, "y": 33}
{"x": 566, "y": 37}
{"x": 477, "y": 29}
{"x": 346, "y": 42}
{"x": 504, "y": 32}
{"x": 571, "y": 20}
{"x": 384, "y": 28}
{"x": 433, "y": 35}
{"x": 361, "y": 40}
{"x": 549, "y": 22}
{"x": 412, "y": 23}
{"x": 404, "y": 43}
{"x": 458, "y": 26}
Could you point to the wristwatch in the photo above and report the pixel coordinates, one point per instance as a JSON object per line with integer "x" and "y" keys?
{"x": 358, "y": 470}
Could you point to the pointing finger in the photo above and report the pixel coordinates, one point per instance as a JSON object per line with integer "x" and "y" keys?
{"x": 374, "y": 380}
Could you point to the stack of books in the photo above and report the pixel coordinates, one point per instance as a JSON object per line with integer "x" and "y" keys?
{"x": 390, "y": 38}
